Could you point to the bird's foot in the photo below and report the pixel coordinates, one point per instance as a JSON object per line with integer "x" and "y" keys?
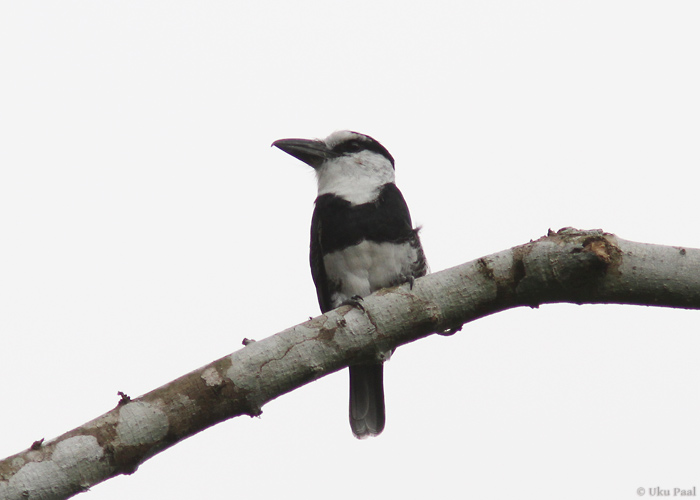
{"x": 354, "y": 301}
{"x": 410, "y": 280}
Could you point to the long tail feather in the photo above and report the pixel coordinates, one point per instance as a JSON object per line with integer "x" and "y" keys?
{"x": 367, "y": 414}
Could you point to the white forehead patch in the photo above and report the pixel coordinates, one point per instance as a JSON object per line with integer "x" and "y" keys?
{"x": 341, "y": 136}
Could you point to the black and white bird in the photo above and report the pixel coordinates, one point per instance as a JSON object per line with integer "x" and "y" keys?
{"x": 362, "y": 240}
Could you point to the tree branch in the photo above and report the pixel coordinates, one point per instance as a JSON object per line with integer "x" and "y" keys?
{"x": 567, "y": 266}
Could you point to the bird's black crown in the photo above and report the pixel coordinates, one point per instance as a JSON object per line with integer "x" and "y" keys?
{"x": 357, "y": 142}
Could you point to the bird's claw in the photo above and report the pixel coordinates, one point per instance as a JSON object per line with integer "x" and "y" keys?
{"x": 410, "y": 280}
{"x": 354, "y": 301}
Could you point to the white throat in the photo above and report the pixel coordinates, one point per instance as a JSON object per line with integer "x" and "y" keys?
{"x": 356, "y": 178}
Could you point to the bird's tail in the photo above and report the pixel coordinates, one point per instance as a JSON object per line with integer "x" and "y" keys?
{"x": 367, "y": 415}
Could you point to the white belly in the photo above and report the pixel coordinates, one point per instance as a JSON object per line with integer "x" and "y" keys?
{"x": 367, "y": 267}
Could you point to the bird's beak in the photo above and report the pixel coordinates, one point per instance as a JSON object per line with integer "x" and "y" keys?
{"x": 311, "y": 152}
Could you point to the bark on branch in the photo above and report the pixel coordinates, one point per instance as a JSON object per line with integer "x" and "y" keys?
{"x": 567, "y": 266}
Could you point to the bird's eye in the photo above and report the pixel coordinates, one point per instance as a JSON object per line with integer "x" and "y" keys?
{"x": 353, "y": 146}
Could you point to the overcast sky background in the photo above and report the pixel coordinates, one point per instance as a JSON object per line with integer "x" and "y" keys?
{"x": 148, "y": 227}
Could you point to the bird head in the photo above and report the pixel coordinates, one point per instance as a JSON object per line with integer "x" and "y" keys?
{"x": 350, "y": 165}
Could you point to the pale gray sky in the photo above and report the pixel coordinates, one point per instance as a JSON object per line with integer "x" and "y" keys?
{"x": 148, "y": 227}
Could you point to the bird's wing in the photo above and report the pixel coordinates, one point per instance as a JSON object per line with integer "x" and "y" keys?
{"x": 318, "y": 270}
{"x": 399, "y": 228}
